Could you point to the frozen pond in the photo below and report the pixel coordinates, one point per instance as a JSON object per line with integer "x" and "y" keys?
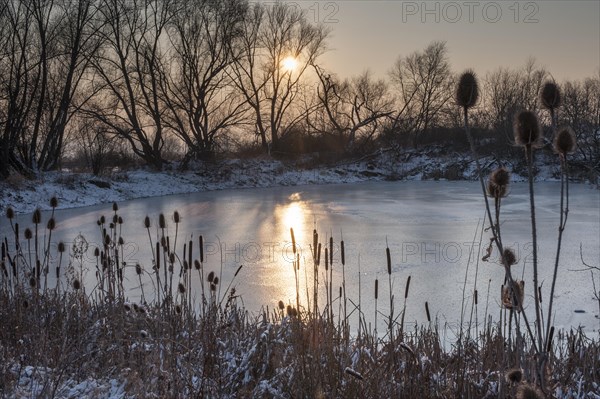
{"x": 431, "y": 229}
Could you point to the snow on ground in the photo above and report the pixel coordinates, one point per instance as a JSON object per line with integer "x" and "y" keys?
{"x": 83, "y": 189}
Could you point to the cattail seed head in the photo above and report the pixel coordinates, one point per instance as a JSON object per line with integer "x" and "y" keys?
{"x": 51, "y": 224}
{"x": 138, "y": 269}
{"x": 162, "y": 223}
{"x": 28, "y": 234}
{"x": 176, "y": 217}
{"x": 172, "y": 257}
{"x": 467, "y": 92}
{"x": 36, "y": 218}
{"x": 61, "y": 247}
{"x": 181, "y": 288}
{"x": 147, "y": 222}
{"x": 211, "y": 277}
{"x": 281, "y": 305}
{"x": 550, "y": 96}
{"x": 53, "y": 202}
{"x": 197, "y": 264}
{"x": 514, "y": 376}
{"x": 121, "y": 241}
{"x": 527, "y": 129}
{"x": 10, "y": 213}
{"x": 76, "y": 285}
{"x": 509, "y": 257}
{"x": 115, "y": 207}
{"x": 564, "y": 141}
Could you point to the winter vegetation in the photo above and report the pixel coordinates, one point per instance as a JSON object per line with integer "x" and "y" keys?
{"x": 102, "y": 84}
{"x": 98, "y": 86}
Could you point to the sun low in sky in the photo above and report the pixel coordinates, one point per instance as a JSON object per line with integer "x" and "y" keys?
{"x": 289, "y": 64}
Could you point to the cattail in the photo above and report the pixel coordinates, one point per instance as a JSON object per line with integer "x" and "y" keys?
{"x": 237, "y": 271}
{"x": 509, "y": 257}
{"x": 467, "y": 92}
{"x": 161, "y": 221}
{"x": 326, "y": 259}
{"x": 389, "y": 261}
{"x": 476, "y": 296}
{"x": 181, "y": 288}
{"x": 315, "y": 243}
{"x": 343, "y": 253}
{"x": 527, "y": 130}
{"x": 51, "y": 224}
{"x": 147, "y": 222}
{"x": 353, "y": 373}
{"x": 10, "y": 213}
{"x": 201, "y": 246}
{"x": 28, "y": 234}
{"x": 376, "y": 288}
{"x": 514, "y": 376}
{"x": 76, "y": 285}
{"x": 61, "y": 247}
{"x": 121, "y": 241}
{"x": 196, "y": 264}
{"x": 550, "y": 96}
{"x": 427, "y": 311}
{"x": 36, "y": 218}
{"x": 172, "y": 257}
{"x": 331, "y": 251}
{"x": 407, "y": 287}
{"x": 550, "y": 336}
{"x": 53, "y": 202}
{"x": 526, "y": 391}
{"x": 564, "y": 141}
{"x": 176, "y": 217}
{"x": 138, "y": 269}
{"x": 281, "y": 305}
{"x": 293, "y": 240}
{"x": 115, "y": 207}
{"x": 211, "y": 277}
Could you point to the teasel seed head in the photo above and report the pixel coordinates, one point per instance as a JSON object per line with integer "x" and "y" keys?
{"x": 176, "y": 217}
{"x": 514, "y": 376}
{"x": 147, "y": 222}
{"x": 120, "y": 220}
{"x": 181, "y": 288}
{"x": 96, "y": 252}
{"x": 127, "y": 307}
{"x": 216, "y": 281}
{"x": 211, "y": 277}
{"x": 115, "y": 219}
{"x": 197, "y": 264}
{"x": 121, "y": 241}
{"x": 61, "y": 247}
{"x": 527, "y": 129}
{"x": 76, "y": 285}
{"x": 550, "y": 96}
{"x": 509, "y": 257}
{"x": 36, "y": 218}
{"x": 288, "y": 310}
{"x": 178, "y": 309}
{"x": 51, "y": 224}
{"x": 115, "y": 207}
{"x": 32, "y": 282}
{"x": 564, "y": 141}
{"x": 102, "y": 219}
{"x": 10, "y": 213}
{"x": 527, "y": 391}
{"x": 138, "y": 269}
{"x": 281, "y": 305}
{"x": 28, "y": 234}
{"x": 53, "y": 202}
{"x": 500, "y": 177}
{"x": 213, "y": 287}
{"x": 467, "y": 92}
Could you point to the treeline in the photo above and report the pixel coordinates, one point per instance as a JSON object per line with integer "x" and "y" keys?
{"x": 165, "y": 79}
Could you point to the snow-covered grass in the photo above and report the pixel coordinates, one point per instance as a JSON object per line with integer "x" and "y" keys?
{"x": 84, "y": 189}
{"x": 70, "y": 340}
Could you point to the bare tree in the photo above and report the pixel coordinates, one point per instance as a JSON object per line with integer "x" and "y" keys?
{"x": 424, "y": 83}
{"x": 352, "y": 109}
{"x": 131, "y": 67}
{"x": 271, "y": 35}
{"x": 200, "y": 96}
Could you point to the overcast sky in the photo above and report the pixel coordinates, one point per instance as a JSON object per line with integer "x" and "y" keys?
{"x": 563, "y": 36}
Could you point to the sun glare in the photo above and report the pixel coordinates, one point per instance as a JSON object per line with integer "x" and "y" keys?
{"x": 289, "y": 64}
